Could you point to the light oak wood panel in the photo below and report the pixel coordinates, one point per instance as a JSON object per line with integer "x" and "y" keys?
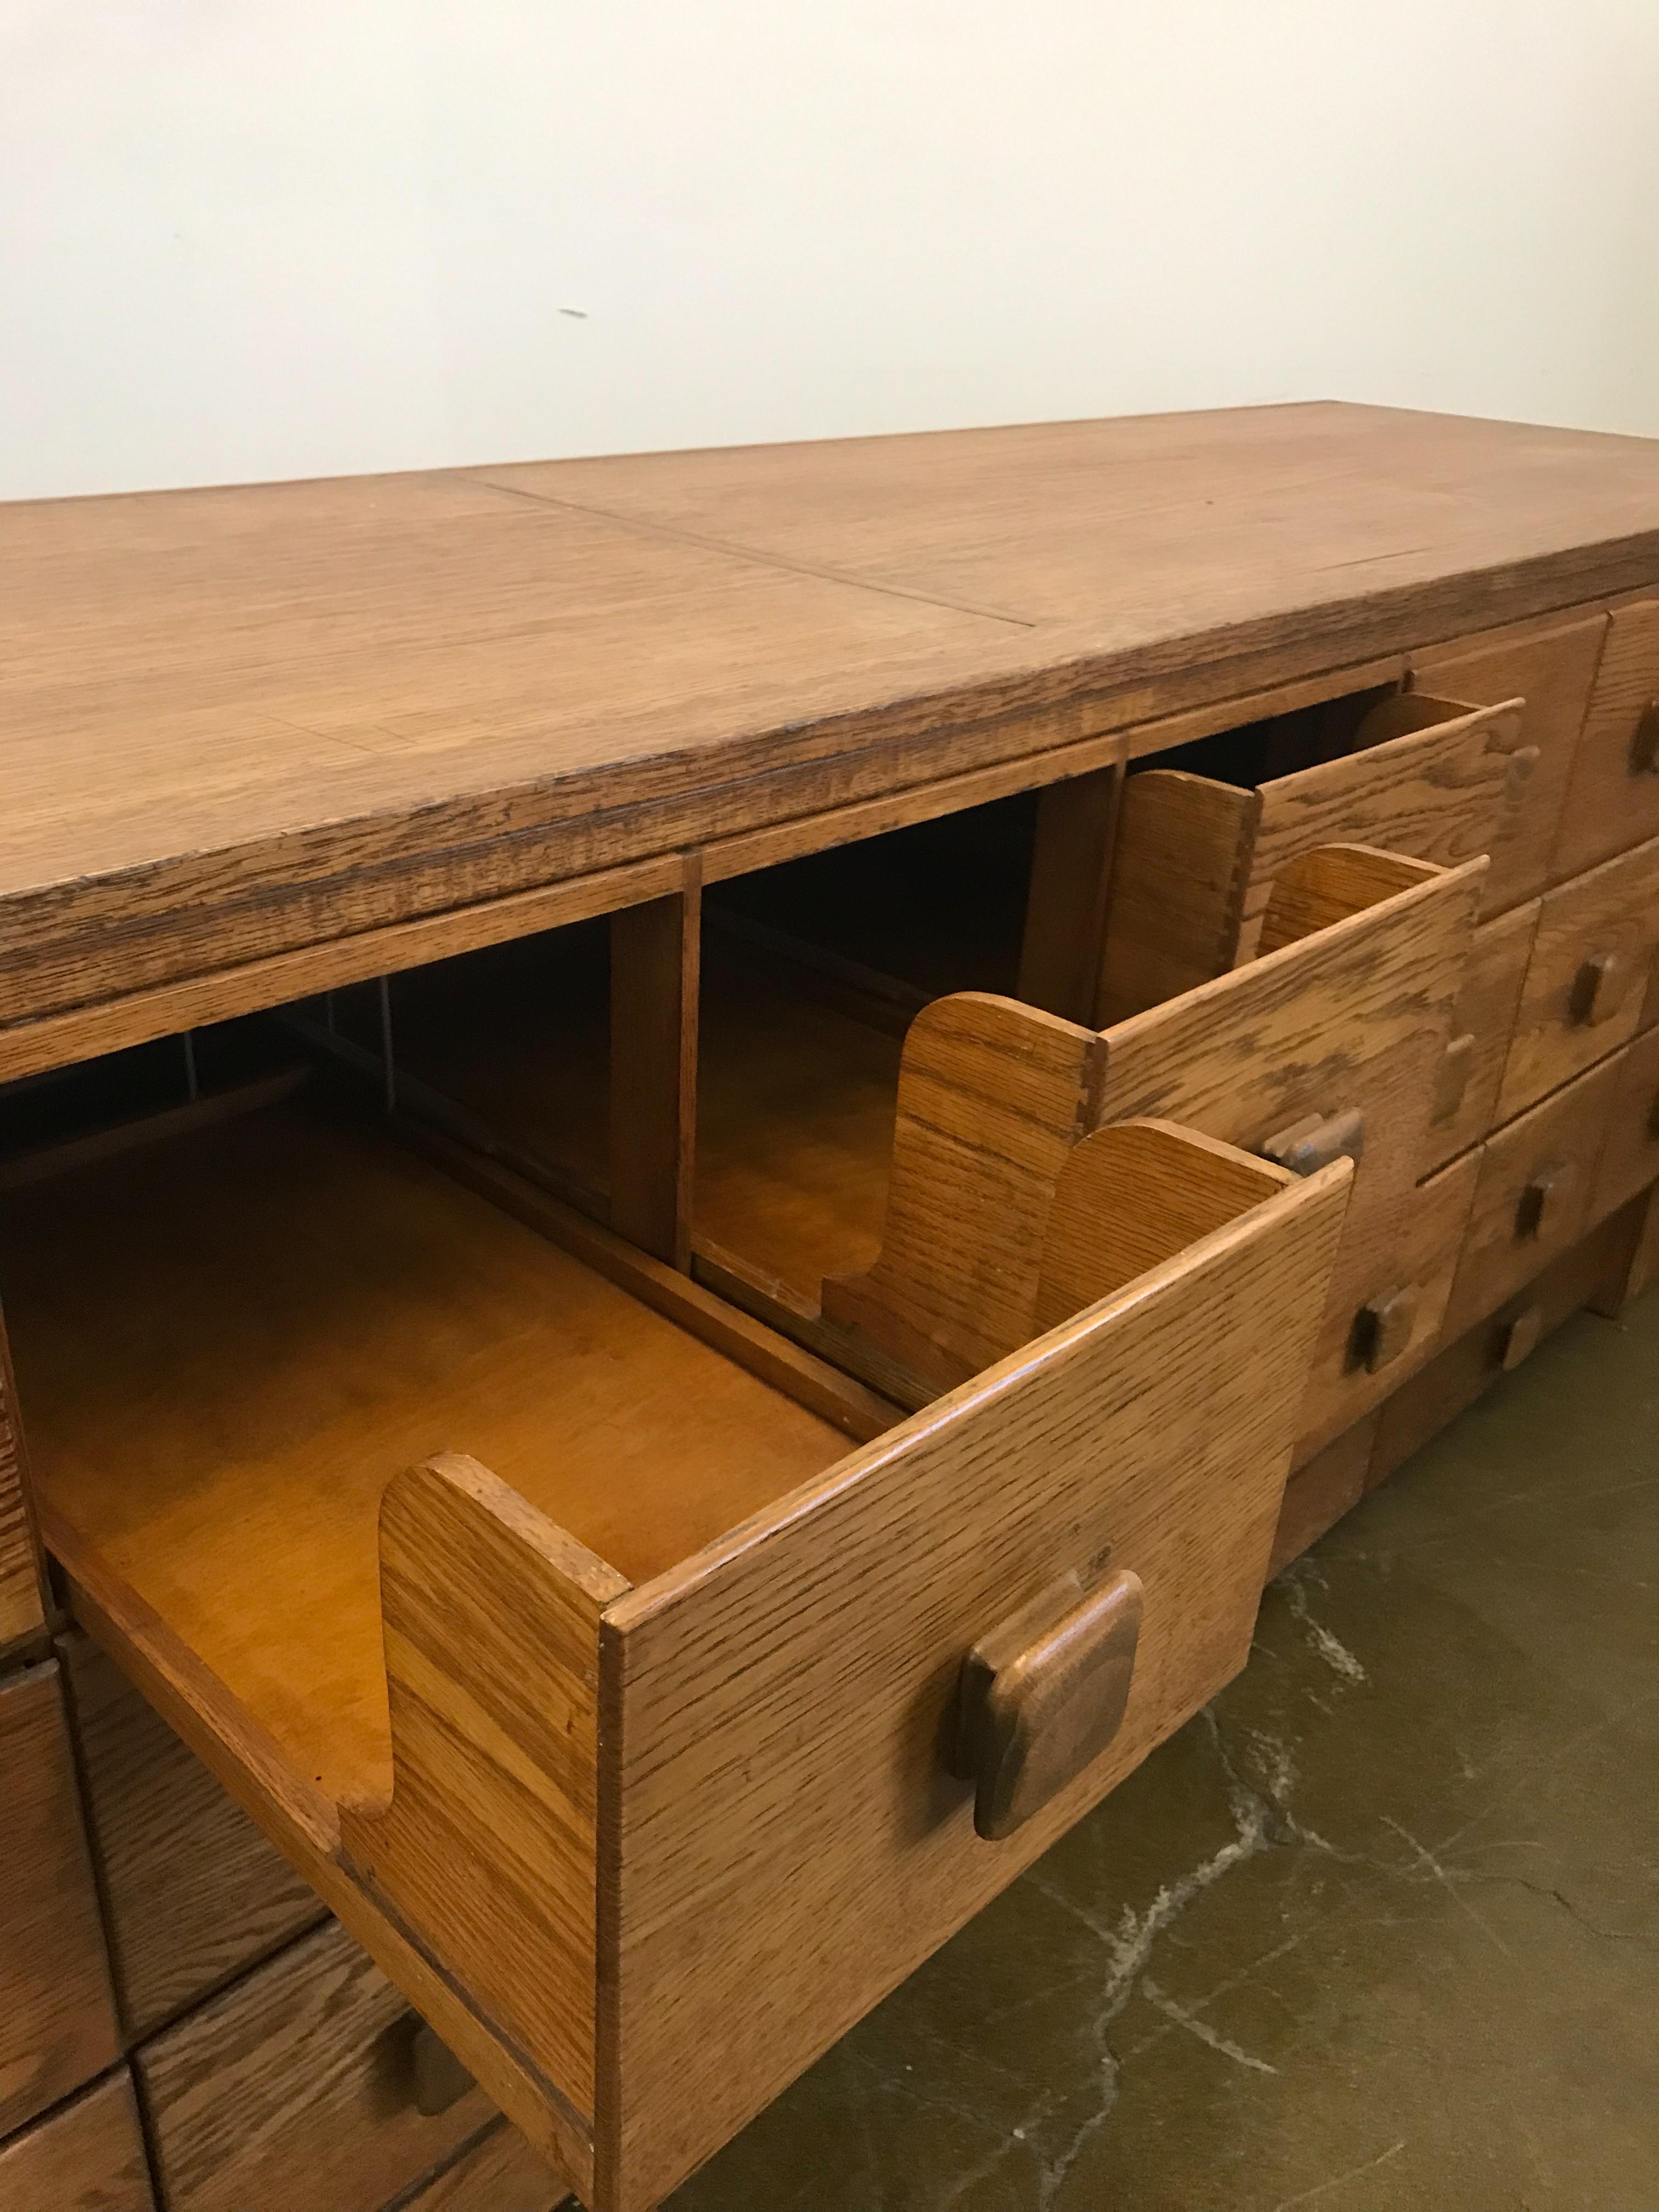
{"x": 1613, "y": 800}
{"x": 57, "y": 2020}
{"x": 193, "y": 1892}
{"x": 796, "y": 1103}
{"x": 1353, "y": 1018}
{"x": 1197, "y": 857}
{"x": 1551, "y": 666}
{"x": 1571, "y": 1015}
{"x": 1157, "y": 525}
{"x": 500, "y": 2174}
{"x": 88, "y": 2156}
{"x": 1466, "y": 1104}
{"x": 482, "y": 691}
{"x": 296, "y": 2087}
{"x": 780, "y": 1821}
{"x": 1630, "y": 1156}
{"x": 1533, "y": 1199}
{"x": 327, "y": 1310}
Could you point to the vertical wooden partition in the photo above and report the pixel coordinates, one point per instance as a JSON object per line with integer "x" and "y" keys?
{"x": 656, "y": 960}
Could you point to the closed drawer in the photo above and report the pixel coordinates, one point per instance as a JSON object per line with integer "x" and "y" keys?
{"x": 1612, "y": 799}
{"x": 1552, "y": 666}
{"x": 398, "y": 1657}
{"x": 20, "y": 1615}
{"x": 1333, "y": 1038}
{"x": 1588, "y": 976}
{"x": 87, "y": 2157}
{"x": 300, "y": 2086}
{"x": 1471, "y": 1074}
{"x": 1630, "y": 1156}
{"x": 502, "y": 2173}
{"x": 1197, "y": 859}
{"x": 58, "y": 2020}
{"x": 193, "y": 1891}
{"x": 1321, "y": 1491}
{"x": 1534, "y": 1196}
{"x": 1463, "y": 1370}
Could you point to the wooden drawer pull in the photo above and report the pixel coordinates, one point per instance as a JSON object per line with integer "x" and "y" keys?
{"x": 1597, "y": 989}
{"x": 1645, "y": 745}
{"x": 1385, "y": 1326}
{"x": 1517, "y": 1339}
{"x": 1542, "y": 1201}
{"x": 1455, "y": 1069}
{"x": 437, "y": 2077}
{"x": 1313, "y": 1143}
{"x": 1042, "y": 1696}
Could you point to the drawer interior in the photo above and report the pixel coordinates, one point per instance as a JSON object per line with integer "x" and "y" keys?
{"x": 288, "y": 1310}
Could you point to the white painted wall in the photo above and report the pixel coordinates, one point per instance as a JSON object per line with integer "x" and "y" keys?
{"x": 242, "y": 240}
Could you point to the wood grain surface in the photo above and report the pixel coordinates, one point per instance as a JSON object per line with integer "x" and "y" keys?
{"x": 303, "y": 710}
{"x": 21, "y": 1614}
{"x": 1485, "y": 1014}
{"x": 87, "y": 2157}
{"x": 1551, "y": 666}
{"x": 1612, "y": 802}
{"x": 57, "y": 2020}
{"x": 779, "y": 1827}
{"x": 193, "y": 1892}
{"x": 500, "y": 2173}
{"x": 294, "y": 2087}
{"x": 1630, "y": 1155}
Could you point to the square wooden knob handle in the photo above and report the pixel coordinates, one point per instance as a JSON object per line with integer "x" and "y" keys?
{"x": 1456, "y": 1066}
{"x": 1542, "y": 1201}
{"x": 1517, "y": 1338}
{"x": 1043, "y": 1695}
{"x": 1598, "y": 989}
{"x": 1385, "y": 1326}
{"x": 1313, "y": 1143}
{"x": 437, "y": 2077}
{"x": 1645, "y": 745}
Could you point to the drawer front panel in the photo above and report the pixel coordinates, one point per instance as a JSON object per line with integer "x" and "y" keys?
{"x": 500, "y": 2174}
{"x": 57, "y": 2019}
{"x": 1321, "y": 1491}
{"x": 1587, "y": 977}
{"x": 1534, "y": 1196}
{"x": 1552, "y": 666}
{"x": 1630, "y": 1158}
{"x": 297, "y": 2087}
{"x": 1613, "y": 800}
{"x": 194, "y": 1891}
{"x": 1483, "y": 1022}
{"x": 21, "y": 1614}
{"x": 1446, "y": 794}
{"x": 1468, "y": 1366}
{"x": 782, "y": 1705}
{"x": 87, "y": 2157}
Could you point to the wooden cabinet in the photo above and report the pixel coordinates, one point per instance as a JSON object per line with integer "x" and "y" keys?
{"x": 720, "y": 1145}
{"x": 57, "y": 2022}
{"x": 87, "y": 2156}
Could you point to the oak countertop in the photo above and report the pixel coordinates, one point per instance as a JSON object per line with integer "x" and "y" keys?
{"x": 240, "y": 720}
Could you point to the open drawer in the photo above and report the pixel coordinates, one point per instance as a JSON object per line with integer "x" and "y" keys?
{"x": 643, "y": 1732}
{"x": 1332, "y": 1041}
{"x": 1201, "y": 844}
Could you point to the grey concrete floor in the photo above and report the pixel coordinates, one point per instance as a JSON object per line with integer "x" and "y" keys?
{"x": 1380, "y": 1930}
